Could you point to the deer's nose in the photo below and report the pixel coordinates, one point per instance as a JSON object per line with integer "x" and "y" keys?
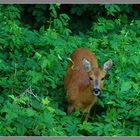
{"x": 96, "y": 91}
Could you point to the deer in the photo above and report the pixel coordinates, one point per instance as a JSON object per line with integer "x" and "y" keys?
{"x": 84, "y": 80}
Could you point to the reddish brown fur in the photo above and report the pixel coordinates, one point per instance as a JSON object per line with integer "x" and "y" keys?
{"x": 77, "y": 84}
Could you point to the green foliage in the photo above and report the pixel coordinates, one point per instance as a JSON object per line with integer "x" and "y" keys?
{"x": 34, "y": 53}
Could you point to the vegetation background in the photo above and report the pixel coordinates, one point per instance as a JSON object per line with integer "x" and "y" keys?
{"x": 35, "y": 44}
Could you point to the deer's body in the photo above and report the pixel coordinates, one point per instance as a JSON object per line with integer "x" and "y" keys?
{"x": 83, "y": 80}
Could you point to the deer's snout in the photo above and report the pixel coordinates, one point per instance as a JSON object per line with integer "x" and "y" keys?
{"x": 96, "y": 91}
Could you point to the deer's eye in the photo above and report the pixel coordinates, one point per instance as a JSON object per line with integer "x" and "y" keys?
{"x": 102, "y": 78}
{"x": 90, "y": 78}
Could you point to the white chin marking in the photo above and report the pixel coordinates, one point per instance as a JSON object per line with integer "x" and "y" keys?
{"x": 96, "y": 94}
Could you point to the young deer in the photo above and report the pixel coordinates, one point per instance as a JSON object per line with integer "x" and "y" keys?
{"x": 84, "y": 80}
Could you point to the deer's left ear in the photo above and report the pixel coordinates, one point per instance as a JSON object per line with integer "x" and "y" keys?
{"x": 107, "y": 65}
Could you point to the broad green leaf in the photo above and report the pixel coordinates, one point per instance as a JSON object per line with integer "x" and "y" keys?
{"x": 29, "y": 112}
{"x": 126, "y": 86}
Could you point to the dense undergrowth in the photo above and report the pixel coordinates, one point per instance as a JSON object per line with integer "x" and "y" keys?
{"x": 35, "y": 44}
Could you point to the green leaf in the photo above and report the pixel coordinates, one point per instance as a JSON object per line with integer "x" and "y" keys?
{"x": 64, "y": 16}
{"x": 45, "y": 101}
{"x": 86, "y": 126}
{"x": 29, "y": 112}
{"x": 21, "y": 130}
{"x": 54, "y": 13}
{"x": 57, "y": 23}
{"x": 35, "y": 76}
{"x": 126, "y": 86}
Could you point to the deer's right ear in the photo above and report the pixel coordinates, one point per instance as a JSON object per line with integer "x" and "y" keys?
{"x": 87, "y": 65}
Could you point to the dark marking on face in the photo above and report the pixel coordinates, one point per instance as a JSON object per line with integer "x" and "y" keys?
{"x": 96, "y": 82}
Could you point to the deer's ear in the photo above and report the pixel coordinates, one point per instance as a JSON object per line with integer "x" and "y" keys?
{"x": 87, "y": 65}
{"x": 107, "y": 65}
